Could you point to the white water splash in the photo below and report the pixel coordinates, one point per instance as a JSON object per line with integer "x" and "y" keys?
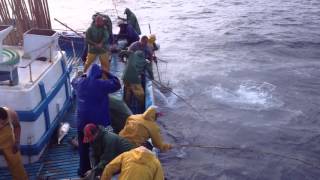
{"x": 249, "y": 95}
{"x": 181, "y": 153}
{"x": 168, "y": 101}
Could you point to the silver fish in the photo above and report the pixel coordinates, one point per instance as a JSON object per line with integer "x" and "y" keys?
{"x": 63, "y": 131}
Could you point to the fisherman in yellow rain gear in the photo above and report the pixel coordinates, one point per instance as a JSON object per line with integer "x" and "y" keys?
{"x": 136, "y": 164}
{"x": 152, "y": 43}
{"x": 140, "y": 127}
{"x": 10, "y": 142}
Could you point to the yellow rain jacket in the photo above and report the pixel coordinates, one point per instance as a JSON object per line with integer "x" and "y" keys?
{"x": 14, "y": 160}
{"x": 136, "y": 164}
{"x": 139, "y": 128}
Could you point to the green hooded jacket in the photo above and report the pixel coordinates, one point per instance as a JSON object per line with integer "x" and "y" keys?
{"x": 97, "y": 35}
{"x": 136, "y": 66}
{"x": 119, "y": 112}
{"x": 108, "y": 24}
{"x": 106, "y": 147}
{"x": 132, "y": 19}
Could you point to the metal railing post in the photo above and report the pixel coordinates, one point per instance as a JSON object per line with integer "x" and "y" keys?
{"x": 30, "y": 73}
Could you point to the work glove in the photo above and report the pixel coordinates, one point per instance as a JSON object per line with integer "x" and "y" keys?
{"x": 166, "y": 147}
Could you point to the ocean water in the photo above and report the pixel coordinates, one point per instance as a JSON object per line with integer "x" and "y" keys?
{"x": 249, "y": 68}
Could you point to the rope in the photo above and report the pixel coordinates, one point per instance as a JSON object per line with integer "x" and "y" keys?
{"x": 115, "y": 7}
{"x": 185, "y": 101}
{"x": 250, "y": 150}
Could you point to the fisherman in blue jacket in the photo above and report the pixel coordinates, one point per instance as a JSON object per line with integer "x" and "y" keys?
{"x": 127, "y": 32}
{"x": 92, "y": 106}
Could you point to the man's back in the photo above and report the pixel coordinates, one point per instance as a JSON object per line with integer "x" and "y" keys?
{"x": 92, "y": 93}
{"x": 106, "y": 147}
{"x": 137, "y": 164}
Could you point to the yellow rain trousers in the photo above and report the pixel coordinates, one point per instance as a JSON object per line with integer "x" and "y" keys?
{"x": 104, "y": 60}
{"x": 13, "y": 160}
{"x": 139, "y": 128}
{"x": 136, "y": 164}
{"x": 136, "y": 90}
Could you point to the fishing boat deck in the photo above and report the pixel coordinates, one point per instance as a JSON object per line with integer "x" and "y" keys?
{"x": 61, "y": 161}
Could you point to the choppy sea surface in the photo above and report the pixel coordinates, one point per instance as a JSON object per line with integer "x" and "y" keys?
{"x": 250, "y": 69}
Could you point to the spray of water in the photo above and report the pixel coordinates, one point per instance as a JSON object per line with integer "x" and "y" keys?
{"x": 249, "y": 95}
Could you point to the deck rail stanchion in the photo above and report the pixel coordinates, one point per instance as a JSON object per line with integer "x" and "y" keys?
{"x": 30, "y": 73}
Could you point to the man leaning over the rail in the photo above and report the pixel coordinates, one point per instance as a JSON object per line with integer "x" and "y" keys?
{"x": 142, "y": 45}
{"x": 92, "y": 106}
{"x": 97, "y": 38}
{"x": 105, "y": 146}
{"x": 140, "y": 127}
{"x": 136, "y": 164}
{"x": 135, "y": 68}
{"x": 10, "y": 142}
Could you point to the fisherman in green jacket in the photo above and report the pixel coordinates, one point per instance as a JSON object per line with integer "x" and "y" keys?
{"x": 132, "y": 19}
{"x": 107, "y": 25}
{"x": 97, "y": 37}
{"x": 119, "y": 112}
{"x": 105, "y": 146}
{"x": 135, "y": 68}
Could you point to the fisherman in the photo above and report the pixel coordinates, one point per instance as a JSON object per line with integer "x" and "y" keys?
{"x": 119, "y": 112}
{"x": 105, "y": 146}
{"x": 152, "y": 43}
{"x": 97, "y": 38}
{"x": 140, "y": 127}
{"x": 92, "y": 105}
{"x": 10, "y": 142}
{"x": 136, "y": 164}
{"x": 107, "y": 25}
{"x": 131, "y": 19}
{"x": 142, "y": 45}
{"x": 127, "y": 32}
{"x": 134, "y": 70}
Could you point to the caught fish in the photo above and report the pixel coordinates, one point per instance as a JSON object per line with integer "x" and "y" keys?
{"x": 63, "y": 131}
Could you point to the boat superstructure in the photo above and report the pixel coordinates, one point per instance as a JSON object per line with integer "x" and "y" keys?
{"x": 52, "y": 92}
{"x": 35, "y": 81}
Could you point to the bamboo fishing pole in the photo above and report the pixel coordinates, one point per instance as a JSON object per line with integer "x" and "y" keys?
{"x": 115, "y": 7}
{"x": 68, "y": 27}
{"x": 154, "y": 54}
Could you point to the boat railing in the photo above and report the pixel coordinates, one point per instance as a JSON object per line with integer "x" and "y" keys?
{"x": 44, "y": 48}
{"x": 74, "y": 62}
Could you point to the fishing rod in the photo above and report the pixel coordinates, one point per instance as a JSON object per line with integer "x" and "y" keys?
{"x": 161, "y": 60}
{"x": 115, "y": 7}
{"x": 68, "y": 27}
{"x": 154, "y": 54}
{"x": 75, "y": 31}
{"x": 185, "y": 101}
{"x": 249, "y": 150}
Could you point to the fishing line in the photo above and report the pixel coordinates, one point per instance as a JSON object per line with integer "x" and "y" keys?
{"x": 115, "y": 7}
{"x": 68, "y": 27}
{"x": 185, "y": 101}
{"x": 249, "y": 150}
{"x": 154, "y": 54}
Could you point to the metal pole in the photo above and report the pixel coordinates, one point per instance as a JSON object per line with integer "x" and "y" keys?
{"x": 30, "y": 73}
